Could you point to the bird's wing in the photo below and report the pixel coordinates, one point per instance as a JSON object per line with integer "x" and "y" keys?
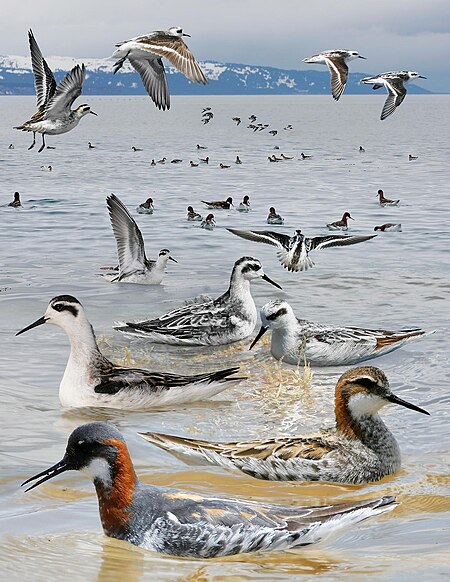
{"x": 66, "y": 92}
{"x": 338, "y": 240}
{"x": 154, "y": 79}
{"x": 130, "y": 244}
{"x": 338, "y": 71}
{"x": 175, "y": 50}
{"x": 396, "y": 94}
{"x": 44, "y": 81}
{"x": 275, "y": 239}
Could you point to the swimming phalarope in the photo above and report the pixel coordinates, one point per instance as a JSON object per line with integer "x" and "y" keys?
{"x": 295, "y": 339}
{"x": 192, "y": 215}
{"x": 180, "y": 523}
{"x": 358, "y": 449}
{"x": 394, "y": 82}
{"x": 54, "y": 115}
{"x": 90, "y": 379}
{"x": 273, "y": 217}
{"x": 201, "y": 147}
{"x": 238, "y": 160}
{"x": 134, "y": 267}
{"x": 135, "y": 149}
{"x": 145, "y": 55}
{"x": 11, "y": 146}
{"x": 229, "y": 318}
{"x": 224, "y": 166}
{"x": 244, "y": 206}
{"x": 340, "y": 224}
{"x": 293, "y": 251}
{"x": 193, "y": 164}
{"x": 220, "y": 204}
{"x": 146, "y": 207}
{"x": 91, "y": 146}
{"x": 389, "y": 227}
{"x": 336, "y": 61}
{"x": 305, "y": 157}
{"x": 411, "y": 158}
{"x": 205, "y": 160}
{"x": 385, "y": 201}
{"x": 209, "y": 222}
{"x": 237, "y": 120}
{"x": 16, "y": 202}
{"x": 361, "y": 150}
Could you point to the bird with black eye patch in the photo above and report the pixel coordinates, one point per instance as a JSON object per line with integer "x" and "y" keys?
{"x": 146, "y": 207}
{"x": 90, "y": 379}
{"x": 244, "y": 206}
{"x": 358, "y": 449}
{"x": 340, "y": 224}
{"x": 229, "y": 318}
{"x": 193, "y": 216}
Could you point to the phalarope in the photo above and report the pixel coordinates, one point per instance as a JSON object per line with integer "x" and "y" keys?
{"x": 16, "y": 202}
{"x": 224, "y": 166}
{"x": 180, "y": 523}
{"x": 394, "y": 82}
{"x": 411, "y": 157}
{"x": 361, "y": 150}
{"x": 145, "y": 52}
{"x": 229, "y": 318}
{"x": 340, "y": 224}
{"x": 294, "y": 339}
{"x": 305, "y": 157}
{"x": 134, "y": 267}
{"x": 146, "y": 207}
{"x": 389, "y": 227}
{"x": 201, "y": 147}
{"x": 358, "y": 449}
{"x": 54, "y": 115}
{"x": 135, "y": 149}
{"x": 336, "y": 61}
{"x": 293, "y": 251}
{"x": 220, "y": 204}
{"x": 91, "y": 146}
{"x": 385, "y": 201}
{"x": 238, "y": 160}
{"x": 237, "y": 120}
{"x": 205, "y": 160}
{"x": 90, "y": 379}
{"x": 192, "y": 215}
{"x": 273, "y": 217}
{"x": 244, "y": 206}
{"x": 11, "y": 146}
{"x": 209, "y": 222}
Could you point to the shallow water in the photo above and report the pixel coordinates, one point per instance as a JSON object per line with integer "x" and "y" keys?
{"x": 58, "y": 240}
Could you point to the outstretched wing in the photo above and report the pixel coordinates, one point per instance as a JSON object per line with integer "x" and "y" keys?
{"x": 396, "y": 94}
{"x": 154, "y": 79}
{"x": 339, "y": 72}
{"x": 66, "y": 92}
{"x": 44, "y": 81}
{"x": 275, "y": 239}
{"x": 324, "y": 242}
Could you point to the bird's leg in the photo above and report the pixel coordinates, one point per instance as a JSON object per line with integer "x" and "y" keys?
{"x": 120, "y": 63}
{"x": 43, "y": 143}
{"x": 34, "y": 141}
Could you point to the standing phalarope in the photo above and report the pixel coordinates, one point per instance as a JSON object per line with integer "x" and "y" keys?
{"x": 54, "y": 115}
{"x": 394, "y": 82}
{"x": 389, "y": 227}
{"x": 180, "y": 523}
{"x": 358, "y": 449}
{"x": 294, "y": 340}
{"x": 192, "y": 215}
{"x": 229, "y": 318}
{"x": 385, "y": 201}
{"x": 146, "y": 207}
{"x": 134, "y": 267}
{"x": 145, "y": 55}
{"x": 244, "y": 206}
{"x": 220, "y": 204}
{"x": 90, "y": 379}
{"x": 209, "y": 222}
{"x": 273, "y": 217}
{"x": 16, "y": 202}
{"x": 336, "y": 61}
{"x": 340, "y": 224}
{"x": 293, "y": 251}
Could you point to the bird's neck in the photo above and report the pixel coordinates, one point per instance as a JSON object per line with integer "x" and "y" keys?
{"x": 239, "y": 287}
{"x": 83, "y": 345}
{"x": 367, "y": 428}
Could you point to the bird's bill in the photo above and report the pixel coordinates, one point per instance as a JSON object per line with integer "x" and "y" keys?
{"x": 421, "y": 77}
{"x": 184, "y": 34}
{"x": 269, "y": 280}
{"x": 396, "y": 400}
{"x": 351, "y": 217}
{"x": 261, "y": 332}
{"x": 39, "y": 321}
{"x": 172, "y": 259}
{"x": 93, "y": 113}
{"x": 57, "y": 469}
{"x": 361, "y": 57}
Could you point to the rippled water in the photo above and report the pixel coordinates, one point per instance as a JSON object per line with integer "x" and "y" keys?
{"x": 57, "y": 241}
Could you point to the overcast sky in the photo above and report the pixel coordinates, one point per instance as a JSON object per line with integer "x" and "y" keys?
{"x": 392, "y": 34}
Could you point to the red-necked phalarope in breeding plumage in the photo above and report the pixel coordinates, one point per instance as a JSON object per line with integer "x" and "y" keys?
{"x": 293, "y": 251}
{"x": 220, "y": 204}
{"x": 394, "y": 82}
{"x": 92, "y": 380}
{"x": 336, "y": 61}
{"x": 340, "y": 224}
{"x": 294, "y": 339}
{"x": 229, "y": 318}
{"x": 192, "y": 215}
{"x": 358, "y": 449}
{"x": 389, "y": 227}
{"x": 16, "y": 202}
{"x": 134, "y": 267}
{"x": 146, "y": 207}
{"x": 54, "y": 115}
{"x": 273, "y": 217}
{"x": 244, "y": 206}
{"x": 385, "y": 201}
{"x": 145, "y": 55}
{"x": 209, "y": 222}
{"x": 180, "y": 523}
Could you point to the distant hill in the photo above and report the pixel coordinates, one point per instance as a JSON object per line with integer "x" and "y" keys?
{"x": 16, "y": 78}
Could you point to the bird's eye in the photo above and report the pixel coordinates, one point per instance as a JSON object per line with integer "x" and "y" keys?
{"x": 58, "y": 307}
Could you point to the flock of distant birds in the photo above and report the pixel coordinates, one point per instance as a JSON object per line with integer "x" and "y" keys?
{"x": 357, "y": 450}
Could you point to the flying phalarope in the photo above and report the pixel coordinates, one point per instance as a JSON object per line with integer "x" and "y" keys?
{"x": 389, "y": 227}
{"x": 293, "y": 251}
{"x": 180, "y": 523}
{"x": 90, "y": 379}
{"x": 134, "y": 267}
{"x": 16, "y": 202}
{"x": 385, "y": 201}
{"x": 220, "y": 204}
{"x": 340, "y": 224}
{"x": 244, "y": 206}
{"x": 394, "y": 82}
{"x": 54, "y": 115}
{"x": 295, "y": 339}
{"x": 273, "y": 217}
{"x": 192, "y": 215}
{"x": 145, "y": 52}
{"x": 229, "y": 318}
{"x": 336, "y": 61}
{"x": 237, "y": 120}
{"x": 209, "y": 222}
{"x": 358, "y": 449}
{"x": 146, "y": 207}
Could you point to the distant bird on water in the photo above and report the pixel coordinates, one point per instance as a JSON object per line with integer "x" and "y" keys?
{"x": 386, "y": 201}
{"x": 340, "y": 224}
{"x": 16, "y": 202}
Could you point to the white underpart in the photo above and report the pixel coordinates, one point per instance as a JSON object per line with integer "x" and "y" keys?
{"x": 362, "y": 404}
{"x": 98, "y": 469}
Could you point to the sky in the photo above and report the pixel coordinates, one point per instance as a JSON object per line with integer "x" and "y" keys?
{"x": 392, "y": 34}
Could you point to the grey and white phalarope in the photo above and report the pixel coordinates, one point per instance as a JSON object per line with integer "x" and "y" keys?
{"x": 385, "y": 201}
{"x": 358, "y": 449}
{"x": 244, "y": 206}
{"x": 146, "y": 207}
{"x": 134, "y": 267}
{"x": 389, "y": 227}
{"x": 220, "y": 204}
{"x": 54, "y": 115}
{"x": 336, "y": 60}
{"x": 180, "y": 523}
{"x": 273, "y": 217}
{"x": 209, "y": 222}
{"x": 229, "y": 318}
{"x": 90, "y": 379}
{"x": 145, "y": 55}
{"x": 192, "y": 215}
{"x": 295, "y": 339}
{"x": 340, "y": 224}
{"x": 293, "y": 251}
{"x": 16, "y": 202}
